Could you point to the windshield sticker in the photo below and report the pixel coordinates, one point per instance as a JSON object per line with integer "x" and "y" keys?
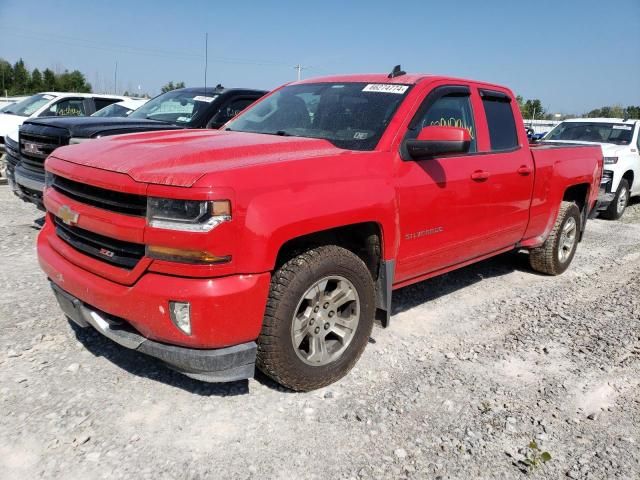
{"x": 48, "y": 97}
{"x": 360, "y": 135}
{"x": 202, "y": 98}
{"x": 183, "y": 119}
{"x": 622, "y": 127}
{"x": 385, "y": 88}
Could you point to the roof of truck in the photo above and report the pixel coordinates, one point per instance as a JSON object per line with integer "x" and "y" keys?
{"x": 406, "y": 79}
{"x": 84, "y": 95}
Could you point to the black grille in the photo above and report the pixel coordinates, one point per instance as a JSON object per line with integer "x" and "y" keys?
{"x": 116, "y": 252}
{"x": 34, "y": 149}
{"x": 127, "y": 203}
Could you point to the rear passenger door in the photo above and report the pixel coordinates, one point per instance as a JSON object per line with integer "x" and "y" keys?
{"x": 510, "y": 167}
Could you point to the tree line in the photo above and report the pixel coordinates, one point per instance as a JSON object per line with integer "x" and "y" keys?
{"x": 17, "y": 80}
{"x": 532, "y": 109}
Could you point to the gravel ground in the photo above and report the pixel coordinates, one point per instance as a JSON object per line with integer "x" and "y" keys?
{"x": 476, "y": 366}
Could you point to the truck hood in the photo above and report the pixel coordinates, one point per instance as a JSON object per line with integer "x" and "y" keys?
{"x": 87, "y": 127}
{"x": 9, "y": 122}
{"x": 181, "y": 158}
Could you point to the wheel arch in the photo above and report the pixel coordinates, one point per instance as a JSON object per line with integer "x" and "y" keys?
{"x": 366, "y": 240}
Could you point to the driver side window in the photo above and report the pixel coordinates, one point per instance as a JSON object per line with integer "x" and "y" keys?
{"x": 70, "y": 107}
{"x": 452, "y": 110}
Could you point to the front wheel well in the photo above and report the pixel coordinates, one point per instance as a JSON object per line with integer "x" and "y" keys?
{"x": 363, "y": 239}
{"x": 628, "y": 176}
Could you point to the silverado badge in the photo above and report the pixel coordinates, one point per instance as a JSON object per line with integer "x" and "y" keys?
{"x": 67, "y": 215}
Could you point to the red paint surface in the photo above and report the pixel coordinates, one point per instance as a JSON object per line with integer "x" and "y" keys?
{"x": 435, "y": 215}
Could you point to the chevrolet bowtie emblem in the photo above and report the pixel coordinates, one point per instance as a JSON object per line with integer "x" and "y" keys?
{"x": 67, "y": 215}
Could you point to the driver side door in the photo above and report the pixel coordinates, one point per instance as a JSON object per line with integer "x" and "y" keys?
{"x": 443, "y": 200}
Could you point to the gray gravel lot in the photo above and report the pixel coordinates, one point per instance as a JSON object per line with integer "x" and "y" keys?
{"x": 477, "y": 364}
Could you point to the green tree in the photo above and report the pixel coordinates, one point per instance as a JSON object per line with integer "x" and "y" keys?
{"x": 36, "y": 81}
{"x": 170, "y": 86}
{"x": 21, "y": 78}
{"x": 72, "y": 82}
{"x": 533, "y": 109}
{"x": 6, "y": 76}
{"x": 48, "y": 80}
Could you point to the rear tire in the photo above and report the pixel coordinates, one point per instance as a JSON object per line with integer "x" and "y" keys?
{"x": 618, "y": 205}
{"x": 555, "y": 254}
{"x": 318, "y": 319}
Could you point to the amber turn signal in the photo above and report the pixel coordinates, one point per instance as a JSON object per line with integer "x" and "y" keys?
{"x": 184, "y": 256}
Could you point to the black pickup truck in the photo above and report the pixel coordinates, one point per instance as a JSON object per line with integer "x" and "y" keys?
{"x": 177, "y": 109}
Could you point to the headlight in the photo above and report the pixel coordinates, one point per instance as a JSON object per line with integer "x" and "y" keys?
{"x": 610, "y": 160}
{"x": 76, "y": 140}
{"x": 187, "y": 215}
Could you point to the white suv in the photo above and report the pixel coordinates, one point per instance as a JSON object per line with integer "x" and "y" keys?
{"x": 52, "y": 104}
{"x": 620, "y": 142}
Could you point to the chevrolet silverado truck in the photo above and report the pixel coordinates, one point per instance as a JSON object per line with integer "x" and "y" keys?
{"x": 277, "y": 241}
{"x": 620, "y": 142}
{"x": 177, "y": 109}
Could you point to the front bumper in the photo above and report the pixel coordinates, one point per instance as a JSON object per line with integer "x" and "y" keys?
{"x": 605, "y": 194}
{"x": 217, "y": 365}
{"x": 28, "y": 185}
{"x": 225, "y": 311}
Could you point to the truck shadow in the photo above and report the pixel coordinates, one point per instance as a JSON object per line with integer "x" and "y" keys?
{"x": 141, "y": 365}
{"x": 436, "y": 287}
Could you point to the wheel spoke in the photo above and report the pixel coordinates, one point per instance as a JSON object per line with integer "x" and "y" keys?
{"x": 341, "y": 295}
{"x": 341, "y": 331}
{"x": 317, "y": 350}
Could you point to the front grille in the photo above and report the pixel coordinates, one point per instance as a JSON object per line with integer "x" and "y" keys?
{"x": 115, "y": 252}
{"x": 126, "y": 203}
{"x": 34, "y": 149}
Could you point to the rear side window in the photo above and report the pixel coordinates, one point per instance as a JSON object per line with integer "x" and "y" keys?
{"x": 502, "y": 125}
{"x": 104, "y": 102}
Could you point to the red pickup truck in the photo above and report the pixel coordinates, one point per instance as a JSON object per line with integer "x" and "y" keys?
{"x": 277, "y": 241}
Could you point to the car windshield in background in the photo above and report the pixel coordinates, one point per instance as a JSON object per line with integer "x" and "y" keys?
{"x": 178, "y": 107}
{"x": 349, "y": 115}
{"x": 616, "y": 133}
{"x": 113, "y": 110}
{"x": 29, "y": 106}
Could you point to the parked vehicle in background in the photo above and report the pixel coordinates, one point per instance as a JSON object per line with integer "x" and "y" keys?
{"x": 6, "y": 102}
{"x": 278, "y": 240}
{"x": 121, "y": 109}
{"x": 55, "y": 104}
{"x": 177, "y": 109}
{"x": 620, "y": 143}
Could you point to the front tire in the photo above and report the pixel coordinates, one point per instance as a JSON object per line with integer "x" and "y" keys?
{"x": 618, "y": 205}
{"x": 555, "y": 254}
{"x": 318, "y": 319}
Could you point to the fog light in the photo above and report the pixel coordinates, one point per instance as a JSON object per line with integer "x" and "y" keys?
{"x": 180, "y": 313}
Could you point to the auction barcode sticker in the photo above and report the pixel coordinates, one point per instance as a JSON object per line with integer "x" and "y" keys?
{"x": 202, "y": 98}
{"x": 622, "y": 127}
{"x": 385, "y": 88}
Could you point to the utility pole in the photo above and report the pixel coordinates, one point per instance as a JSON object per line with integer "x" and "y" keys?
{"x": 206, "y": 60}
{"x": 115, "y": 80}
{"x": 299, "y": 68}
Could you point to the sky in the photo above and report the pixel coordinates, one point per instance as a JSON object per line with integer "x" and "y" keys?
{"x": 574, "y": 55}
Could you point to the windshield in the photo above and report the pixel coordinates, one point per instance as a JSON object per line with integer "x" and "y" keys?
{"x": 178, "y": 107}
{"x": 113, "y": 110}
{"x": 349, "y": 115}
{"x": 29, "y": 106}
{"x": 616, "y": 133}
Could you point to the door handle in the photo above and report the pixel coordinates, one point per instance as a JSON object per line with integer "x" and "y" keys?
{"x": 524, "y": 170}
{"x": 479, "y": 175}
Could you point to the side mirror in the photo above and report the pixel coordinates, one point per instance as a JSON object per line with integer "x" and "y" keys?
{"x": 436, "y": 140}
